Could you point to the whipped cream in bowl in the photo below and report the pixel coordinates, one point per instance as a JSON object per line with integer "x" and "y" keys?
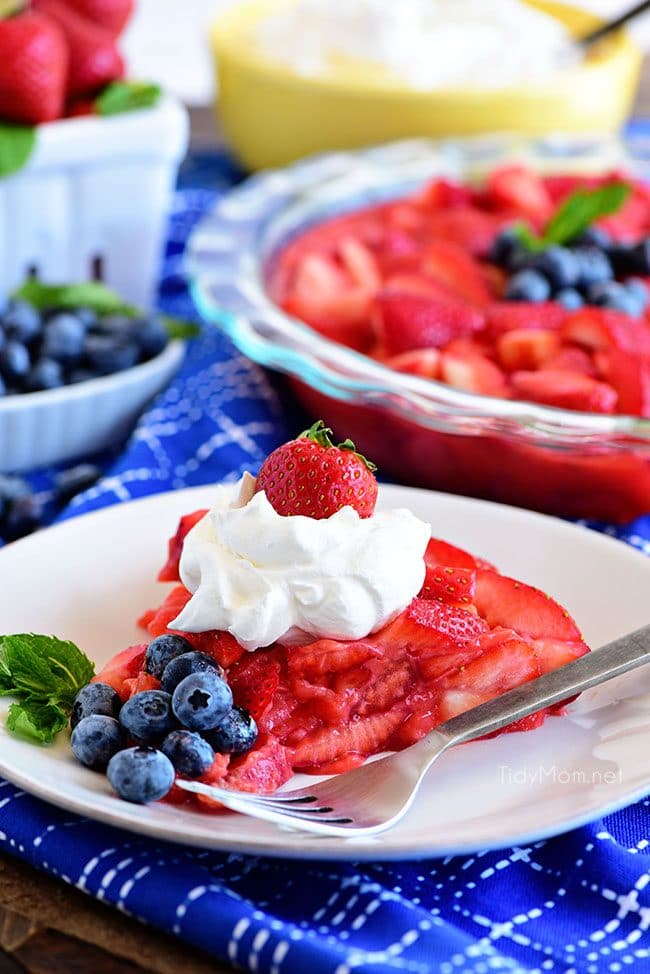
{"x": 268, "y": 578}
{"x": 425, "y": 44}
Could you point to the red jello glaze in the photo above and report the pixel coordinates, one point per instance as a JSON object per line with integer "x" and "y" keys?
{"x": 417, "y": 293}
{"x": 327, "y": 706}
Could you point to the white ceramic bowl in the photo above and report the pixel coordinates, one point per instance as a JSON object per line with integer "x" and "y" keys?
{"x": 41, "y": 428}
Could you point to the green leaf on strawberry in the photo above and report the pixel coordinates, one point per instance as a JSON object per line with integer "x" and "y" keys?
{"x": 127, "y": 96}
{"x": 17, "y": 143}
{"x": 575, "y": 214}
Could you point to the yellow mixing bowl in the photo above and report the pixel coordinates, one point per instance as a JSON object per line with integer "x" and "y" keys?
{"x": 271, "y": 115}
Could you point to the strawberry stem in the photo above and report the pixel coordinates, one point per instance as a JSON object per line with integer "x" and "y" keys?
{"x": 319, "y": 433}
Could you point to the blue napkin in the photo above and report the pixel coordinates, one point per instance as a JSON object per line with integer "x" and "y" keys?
{"x": 577, "y": 903}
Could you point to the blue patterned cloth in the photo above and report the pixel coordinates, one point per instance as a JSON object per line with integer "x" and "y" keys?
{"x": 577, "y": 903}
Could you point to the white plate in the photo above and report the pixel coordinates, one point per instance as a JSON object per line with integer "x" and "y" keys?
{"x": 89, "y": 578}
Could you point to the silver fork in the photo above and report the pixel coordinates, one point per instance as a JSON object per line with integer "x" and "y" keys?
{"x": 377, "y": 795}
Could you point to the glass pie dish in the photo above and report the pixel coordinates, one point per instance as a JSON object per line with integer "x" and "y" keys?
{"x": 418, "y": 431}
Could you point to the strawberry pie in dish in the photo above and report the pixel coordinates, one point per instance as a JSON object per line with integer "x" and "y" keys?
{"x": 338, "y": 632}
{"x": 478, "y": 325}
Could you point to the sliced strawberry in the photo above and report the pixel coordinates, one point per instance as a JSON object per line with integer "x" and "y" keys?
{"x": 414, "y": 282}
{"x": 410, "y": 321}
{"x": 507, "y": 316}
{"x": 450, "y": 585}
{"x": 169, "y": 571}
{"x": 522, "y": 190}
{"x": 428, "y": 627}
{"x": 630, "y": 377}
{"x": 442, "y": 553}
{"x": 445, "y": 194}
{"x": 452, "y": 265}
{"x": 360, "y": 263}
{"x": 155, "y": 621}
{"x": 329, "y": 656}
{"x": 422, "y": 362}
{"x": 467, "y": 227}
{"x": 507, "y": 603}
{"x": 552, "y": 653}
{"x": 122, "y": 668}
{"x": 506, "y": 662}
{"x": 600, "y": 329}
{"x": 143, "y": 681}
{"x": 262, "y": 770}
{"x": 526, "y": 348}
{"x": 389, "y": 687}
{"x": 571, "y": 359}
{"x": 360, "y": 737}
{"x": 565, "y": 390}
{"x": 473, "y": 373}
{"x": 254, "y": 680}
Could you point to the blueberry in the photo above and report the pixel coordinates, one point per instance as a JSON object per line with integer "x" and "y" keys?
{"x": 96, "y": 698}
{"x": 3, "y": 387}
{"x": 639, "y": 290}
{"x": 188, "y": 752}
{"x": 201, "y": 701}
{"x": 594, "y": 266}
{"x": 147, "y": 717}
{"x": 71, "y": 482}
{"x": 181, "y": 666}
{"x": 86, "y": 316}
{"x": 570, "y": 298}
{"x": 63, "y": 338}
{"x": 96, "y": 739}
{"x": 506, "y": 247}
{"x": 162, "y": 650}
{"x": 14, "y": 361}
{"x": 115, "y": 325}
{"x": 615, "y": 296}
{"x": 141, "y": 774}
{"x": 23, "y": 515}
{"x": 45, "y": 374}
{"x": 150, "y": 335}
{"x": 528, "y": 285}
{"x": 235, "y": 734}
{"x": 639, "y": 257}
{"x": 594, "y": 236}
{"x": 21, "y": 321}
{"x": 558, "y": 265}
{"x": 620, "y": 258}
{"x": 106, "y": 354}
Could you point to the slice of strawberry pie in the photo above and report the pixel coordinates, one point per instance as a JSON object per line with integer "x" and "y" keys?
{"x": 338, "y": 631}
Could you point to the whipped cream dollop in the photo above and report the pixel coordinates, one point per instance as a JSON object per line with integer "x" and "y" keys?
{"x": 266, "y": 578}
{"x": 425, "y": 44}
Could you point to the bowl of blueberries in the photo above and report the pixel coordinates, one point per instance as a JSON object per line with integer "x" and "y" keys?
{"x": 77, "y": 367}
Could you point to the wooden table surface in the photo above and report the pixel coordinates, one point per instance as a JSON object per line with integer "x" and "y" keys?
{"x": 48, "y": 928}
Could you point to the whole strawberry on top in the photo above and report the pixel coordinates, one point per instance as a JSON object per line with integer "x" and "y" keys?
{"x": 314, "y": 477}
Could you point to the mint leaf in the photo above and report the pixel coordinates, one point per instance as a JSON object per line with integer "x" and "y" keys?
{"x": 37, "y": 722}
{"x": 127, "y": 96}
{"x": 177, "y": 328}
{"x": 17, "y": 143}
{"x": 45, "y": 674}
{"x": 574, "y": 215}
{"x": 581, "y": 209}
{"x": 89, "y": 294}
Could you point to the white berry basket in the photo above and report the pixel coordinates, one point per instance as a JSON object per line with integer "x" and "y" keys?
{"x": 92, "y": 201}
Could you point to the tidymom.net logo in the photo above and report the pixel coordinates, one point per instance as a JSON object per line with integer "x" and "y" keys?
{"x": 554, "y": 774}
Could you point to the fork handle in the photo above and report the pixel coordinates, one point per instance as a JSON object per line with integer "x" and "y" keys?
{"x": 619, "y": 656}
